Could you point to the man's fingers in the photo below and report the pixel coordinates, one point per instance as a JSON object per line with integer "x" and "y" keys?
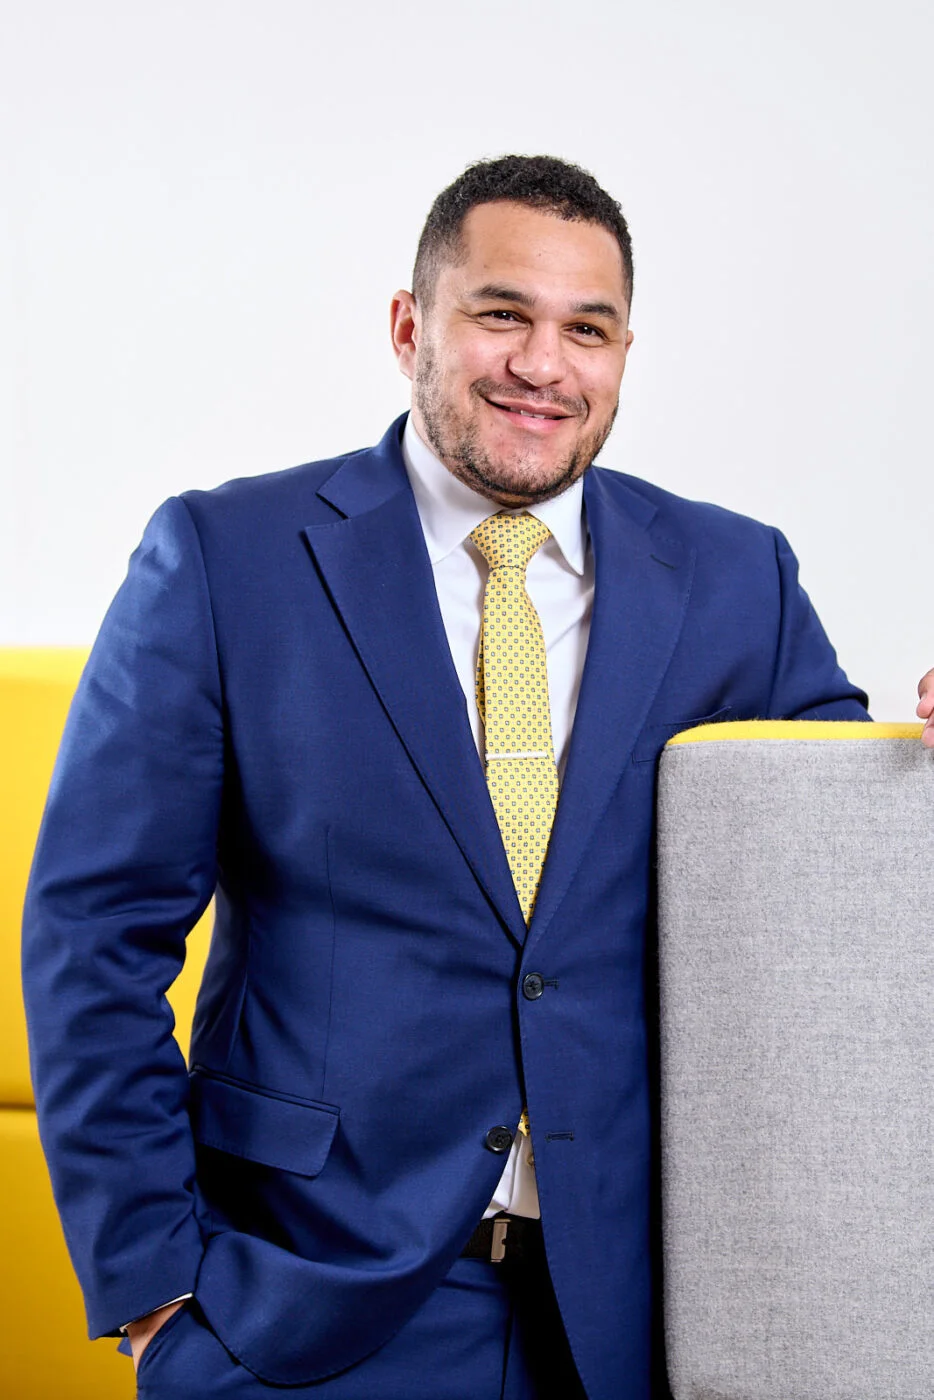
{"x": 925, "y": 708}
{"x": 926, "y": 692}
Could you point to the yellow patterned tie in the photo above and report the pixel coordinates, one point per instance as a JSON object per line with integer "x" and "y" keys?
{"x": 512, "y": 696}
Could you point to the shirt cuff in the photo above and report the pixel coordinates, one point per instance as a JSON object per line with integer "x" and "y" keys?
{"x": 180, "y": 1299}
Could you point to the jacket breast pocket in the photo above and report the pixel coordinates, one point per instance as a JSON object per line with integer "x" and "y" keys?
{"x": 654, "y": 737}
{"x": 275, "y": 1130}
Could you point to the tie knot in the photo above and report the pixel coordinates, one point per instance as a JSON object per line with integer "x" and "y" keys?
{"x": 509, "y": 541}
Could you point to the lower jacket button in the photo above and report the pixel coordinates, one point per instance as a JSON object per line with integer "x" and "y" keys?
{"x": 499, "y": 1139}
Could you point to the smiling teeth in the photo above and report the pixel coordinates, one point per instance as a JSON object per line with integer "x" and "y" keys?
{"x": 523, "y": 413}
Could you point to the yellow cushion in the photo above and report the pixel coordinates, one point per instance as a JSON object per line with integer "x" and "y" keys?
{"x": 44, "y": 1351}
{"x": 795, "y": 729}
{"x": 36, "y": 686}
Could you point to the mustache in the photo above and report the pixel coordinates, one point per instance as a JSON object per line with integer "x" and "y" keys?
{"x": 510, "y": 393}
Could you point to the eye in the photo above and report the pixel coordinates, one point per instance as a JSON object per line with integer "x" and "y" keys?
{"x": 500, "y": 316}
{"x": 587, "y": 332}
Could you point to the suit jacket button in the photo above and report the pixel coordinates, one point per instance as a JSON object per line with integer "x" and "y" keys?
{"x": 499, "y": 1139}
{"x": 533, "y": 984}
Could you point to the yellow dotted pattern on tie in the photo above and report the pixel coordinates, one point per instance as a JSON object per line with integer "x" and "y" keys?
{"x": 512, "y": 696}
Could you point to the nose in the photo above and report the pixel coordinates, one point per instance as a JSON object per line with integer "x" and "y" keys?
{"x": 538, "y": 357}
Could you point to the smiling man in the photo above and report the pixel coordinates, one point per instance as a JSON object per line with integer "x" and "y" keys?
{"x": 399, "y": 711}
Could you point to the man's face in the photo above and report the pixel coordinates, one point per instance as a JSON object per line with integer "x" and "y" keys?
{"x": 516, "y": 366}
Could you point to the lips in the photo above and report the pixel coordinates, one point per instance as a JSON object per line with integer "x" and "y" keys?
{"x": 534, "y": 411}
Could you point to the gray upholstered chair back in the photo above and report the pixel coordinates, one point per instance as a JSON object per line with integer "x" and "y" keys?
{"x": 796, "y": 945}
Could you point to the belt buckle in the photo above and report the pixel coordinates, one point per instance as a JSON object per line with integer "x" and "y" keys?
{"x": 498, "y": 1242}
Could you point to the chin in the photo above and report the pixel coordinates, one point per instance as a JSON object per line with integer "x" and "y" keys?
{"x": 519, "y": 487}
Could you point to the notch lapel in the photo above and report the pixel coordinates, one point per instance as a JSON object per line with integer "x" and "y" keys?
{"x": 375, "y": 566}
{"x": 641, "y": 588}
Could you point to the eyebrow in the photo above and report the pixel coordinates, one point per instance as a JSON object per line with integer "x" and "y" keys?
{"x": 497, "y": 291}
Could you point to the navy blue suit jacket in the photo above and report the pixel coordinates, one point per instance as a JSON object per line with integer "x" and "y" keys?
{"x": 271, "y": 712}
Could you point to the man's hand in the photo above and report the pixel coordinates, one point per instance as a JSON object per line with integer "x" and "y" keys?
{"x": 145, "y": 1328}
{"x": 925, "y": 708}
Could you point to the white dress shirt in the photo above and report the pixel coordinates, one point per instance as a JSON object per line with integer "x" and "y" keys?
{"x": 559, "y": 581}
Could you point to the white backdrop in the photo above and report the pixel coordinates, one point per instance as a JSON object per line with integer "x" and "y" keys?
{"x": 207, "y": 204}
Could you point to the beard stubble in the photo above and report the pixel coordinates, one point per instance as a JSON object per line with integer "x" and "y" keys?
{"x": 456, "y": 440}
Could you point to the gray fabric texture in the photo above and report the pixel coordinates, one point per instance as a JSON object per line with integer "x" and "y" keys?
{"x": 796, "y": 948}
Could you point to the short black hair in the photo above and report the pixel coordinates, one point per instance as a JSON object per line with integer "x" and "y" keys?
{"x": 541, "y": 182}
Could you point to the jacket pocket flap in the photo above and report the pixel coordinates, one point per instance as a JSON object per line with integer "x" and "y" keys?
{"x": 655, "y": 736}
{"x": 294, "y": 1135}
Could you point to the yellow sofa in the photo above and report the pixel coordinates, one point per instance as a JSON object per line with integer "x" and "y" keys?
{"x": 44, "y": 1351}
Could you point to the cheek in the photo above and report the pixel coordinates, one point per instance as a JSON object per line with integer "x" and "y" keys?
{"x": 483, "y": 358}
{"x": 601, "y": 392}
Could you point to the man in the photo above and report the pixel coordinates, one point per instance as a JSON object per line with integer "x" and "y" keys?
{"x": 345, "y": 697}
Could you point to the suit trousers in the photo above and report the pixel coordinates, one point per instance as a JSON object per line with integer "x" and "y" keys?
{"x": 487, "y": 1332}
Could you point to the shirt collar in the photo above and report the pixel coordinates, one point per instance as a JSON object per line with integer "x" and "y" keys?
{"x": 449, "y": 509}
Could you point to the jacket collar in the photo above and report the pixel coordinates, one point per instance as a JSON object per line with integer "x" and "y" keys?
{"x": 375, "y": 565}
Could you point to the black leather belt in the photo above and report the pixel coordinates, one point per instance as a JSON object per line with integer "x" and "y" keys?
{"x": 502, "y": 1237}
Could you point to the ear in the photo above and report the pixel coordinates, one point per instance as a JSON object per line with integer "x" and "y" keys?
{"x": 626, "y": 345}
{"x": 404, "y": 323}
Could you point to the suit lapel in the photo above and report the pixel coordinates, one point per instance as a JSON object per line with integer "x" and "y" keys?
{"x": 642, "y": 583}
{"x": 375, "y": 566}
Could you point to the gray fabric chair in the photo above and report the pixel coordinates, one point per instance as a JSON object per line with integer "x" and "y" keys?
{"x": 796, "y": 949}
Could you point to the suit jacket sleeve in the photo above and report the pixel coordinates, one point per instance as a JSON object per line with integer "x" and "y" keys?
{"x": 808, "y": 682}
{"x": 124, "y": 867}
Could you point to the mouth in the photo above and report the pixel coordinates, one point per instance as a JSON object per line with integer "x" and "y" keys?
{"x": 537, "y": 416}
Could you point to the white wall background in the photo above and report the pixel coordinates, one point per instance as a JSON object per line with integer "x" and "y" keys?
{"x": 206, "y": 205}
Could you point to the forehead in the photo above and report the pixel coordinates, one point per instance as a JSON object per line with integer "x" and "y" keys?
{"x": 539, "y": 252}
